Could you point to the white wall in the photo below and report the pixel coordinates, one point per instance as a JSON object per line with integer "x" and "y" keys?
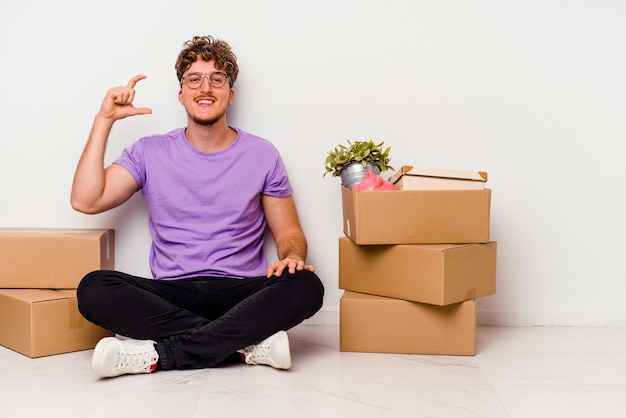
{"x": 532, "y": 92}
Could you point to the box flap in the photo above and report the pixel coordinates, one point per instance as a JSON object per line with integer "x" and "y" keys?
{"x": 38, "y": 295}
{"x": 438, "y": 172}
{"x": 29, "y": 232}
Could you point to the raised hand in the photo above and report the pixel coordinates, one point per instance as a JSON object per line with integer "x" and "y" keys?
{"x": 118, "y": 103}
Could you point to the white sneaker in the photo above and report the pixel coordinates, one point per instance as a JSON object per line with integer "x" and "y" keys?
{"x": 113, "y": 357}
{"x": 273, "y": 351}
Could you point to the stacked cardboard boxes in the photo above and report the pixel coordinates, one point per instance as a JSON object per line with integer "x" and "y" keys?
{"x": 39, "y": 272}
{"x": 412, "y": 263}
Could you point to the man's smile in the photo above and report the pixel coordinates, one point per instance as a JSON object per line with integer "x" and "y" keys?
{"x": 205, "y": 101}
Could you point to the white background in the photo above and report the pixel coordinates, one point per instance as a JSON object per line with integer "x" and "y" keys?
{"x": 533, "y": 92}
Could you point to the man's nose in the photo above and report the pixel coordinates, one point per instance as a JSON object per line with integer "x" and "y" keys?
{"x": 205, "y": 86}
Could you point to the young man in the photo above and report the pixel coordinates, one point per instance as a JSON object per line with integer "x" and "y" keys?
{"x": 211, "y": 191}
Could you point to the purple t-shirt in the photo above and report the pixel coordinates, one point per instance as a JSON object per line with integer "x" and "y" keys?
{"x": 205, "y": 213}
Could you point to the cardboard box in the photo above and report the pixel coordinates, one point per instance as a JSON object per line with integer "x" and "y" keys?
{"x": 53, "y": 258}
{"x": 422, "y": 178}
{"x": 416, "y": 216}
{"x": 439, "y": 274}
{"x": 39, "y": 323}
{"x": 377, "y": 324}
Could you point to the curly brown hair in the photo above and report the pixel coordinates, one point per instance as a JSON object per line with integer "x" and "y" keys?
{"x": 207, "y": 48}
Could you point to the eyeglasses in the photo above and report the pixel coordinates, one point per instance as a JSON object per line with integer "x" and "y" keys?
{"x": 216, "y": 79}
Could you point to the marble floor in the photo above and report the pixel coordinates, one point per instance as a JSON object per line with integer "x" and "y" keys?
{"x": 518, "y": 372}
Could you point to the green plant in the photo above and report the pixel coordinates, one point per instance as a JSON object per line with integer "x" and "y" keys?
{"x": 363, "y": 152}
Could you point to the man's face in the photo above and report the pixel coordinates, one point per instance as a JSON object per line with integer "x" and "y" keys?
{"x": 205, "y": 105}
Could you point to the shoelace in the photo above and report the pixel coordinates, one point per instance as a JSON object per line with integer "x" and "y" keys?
{"x": 259, "y": 351}
{"x": 134, "y": 358}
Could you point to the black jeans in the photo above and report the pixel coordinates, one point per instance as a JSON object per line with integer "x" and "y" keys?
{"x": 198, "y": 322}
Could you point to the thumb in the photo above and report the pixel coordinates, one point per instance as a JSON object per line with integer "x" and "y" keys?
{"x": 140, "y": 111}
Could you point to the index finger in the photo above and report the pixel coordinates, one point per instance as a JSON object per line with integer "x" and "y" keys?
{"x": 133, "y": 81}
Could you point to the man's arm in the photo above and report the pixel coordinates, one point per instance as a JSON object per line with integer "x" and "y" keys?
{"x": 96, "y": 189}
{"x": 291, "y": 244}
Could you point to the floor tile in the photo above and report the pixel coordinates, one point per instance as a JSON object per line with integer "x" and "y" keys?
{"x": 566, "y": 401}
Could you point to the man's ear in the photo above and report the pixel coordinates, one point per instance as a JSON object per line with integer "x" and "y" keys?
{"x": 231, "y": 96}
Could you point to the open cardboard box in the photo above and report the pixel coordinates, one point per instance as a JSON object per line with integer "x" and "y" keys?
{"x": 51, "y": 258}
{"x": 377, "y": 324}
{"x": 38, "y": 322}
{"x": 438, "y": 274}
{"x": 416, "y": 216}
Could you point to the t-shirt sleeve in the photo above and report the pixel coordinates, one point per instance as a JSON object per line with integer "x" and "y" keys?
{"x": 277, "y": 183}
{"x": 131, "y": 159}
